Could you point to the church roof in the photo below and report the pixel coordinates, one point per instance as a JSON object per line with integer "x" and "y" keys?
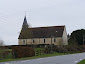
{"x": 44, "y": 32}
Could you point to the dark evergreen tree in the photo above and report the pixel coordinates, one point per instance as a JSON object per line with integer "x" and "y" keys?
{"x": 77, "y": 37}
{"x": 68, "y": 36}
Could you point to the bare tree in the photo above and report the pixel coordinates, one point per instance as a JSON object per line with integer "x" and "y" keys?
{"x": 1, "y": 42}
{"x": 2, "y": 48}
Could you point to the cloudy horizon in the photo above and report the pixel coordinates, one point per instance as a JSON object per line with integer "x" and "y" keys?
{"x": 39, "y": 13}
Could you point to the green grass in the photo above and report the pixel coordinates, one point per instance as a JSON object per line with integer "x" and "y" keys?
{"x": 34, "y": 57}
{"x": 38, "y": 49}
{"x": 82, "y": 62}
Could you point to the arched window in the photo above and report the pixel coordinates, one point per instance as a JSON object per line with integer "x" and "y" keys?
{"x": 33, "y": 41}
{"x": 44, "y": 40}
{"x": 54, "y": 40}
{"x": 23, "y": 41}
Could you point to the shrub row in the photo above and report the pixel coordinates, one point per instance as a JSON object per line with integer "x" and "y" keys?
{"x": 66, "y": 49}
{"x": 22, "y": 51}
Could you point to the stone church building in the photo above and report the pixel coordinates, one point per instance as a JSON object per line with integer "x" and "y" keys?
{"x": 55, "y": 35}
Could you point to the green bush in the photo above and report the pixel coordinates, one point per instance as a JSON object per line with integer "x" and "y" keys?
{"x": 5, "y": 53}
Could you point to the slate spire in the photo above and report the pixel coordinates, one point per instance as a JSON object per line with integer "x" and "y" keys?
{"x": 25, "y": 24}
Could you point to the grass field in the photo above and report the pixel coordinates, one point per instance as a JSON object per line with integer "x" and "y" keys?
{"x": 82, "y": 62}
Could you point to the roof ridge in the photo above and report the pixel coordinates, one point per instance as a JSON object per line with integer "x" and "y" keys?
{"x": 48, "y": 26}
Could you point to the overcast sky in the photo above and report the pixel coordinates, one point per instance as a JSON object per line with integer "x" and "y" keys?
{"x": 70, "y": 13}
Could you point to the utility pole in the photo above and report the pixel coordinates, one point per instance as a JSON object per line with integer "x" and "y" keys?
{"x": 83, "y": 38}
{"x": 51, "y": 43}
{"x": 26, "y": 41}
{"x": 31, "y": 42}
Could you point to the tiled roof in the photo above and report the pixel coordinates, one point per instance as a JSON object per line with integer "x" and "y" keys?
{"x": 45, "y": 32}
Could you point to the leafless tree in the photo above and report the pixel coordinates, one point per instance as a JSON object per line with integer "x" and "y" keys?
{"x": 1, "y": 42}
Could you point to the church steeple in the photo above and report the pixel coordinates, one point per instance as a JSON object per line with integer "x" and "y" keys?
{"x": 25, "y": 24}
{"x": 25, "y": 31}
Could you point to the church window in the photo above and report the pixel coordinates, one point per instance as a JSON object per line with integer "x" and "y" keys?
{"x": 23, "y": 41}
{"x": 44, "y": 40}
{"x": 54, "y": 40}
{"x": 33, "y": 41}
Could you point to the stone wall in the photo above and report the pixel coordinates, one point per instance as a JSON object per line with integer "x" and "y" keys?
{"x": 58, "y": 41}
{"x": 64, "y": 37}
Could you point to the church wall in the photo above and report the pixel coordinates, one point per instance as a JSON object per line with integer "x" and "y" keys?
{"x": 64, "y": 37}
{"x": 58, "y": 41}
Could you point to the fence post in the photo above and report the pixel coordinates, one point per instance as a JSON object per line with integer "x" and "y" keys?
{"x": 37, "y": 53}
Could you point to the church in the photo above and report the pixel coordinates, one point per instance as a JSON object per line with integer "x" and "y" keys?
{"x": 55, "y": 35}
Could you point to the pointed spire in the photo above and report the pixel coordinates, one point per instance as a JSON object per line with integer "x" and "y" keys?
{"x": 25, "y": 21}
{"x": 25, "y": 24}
